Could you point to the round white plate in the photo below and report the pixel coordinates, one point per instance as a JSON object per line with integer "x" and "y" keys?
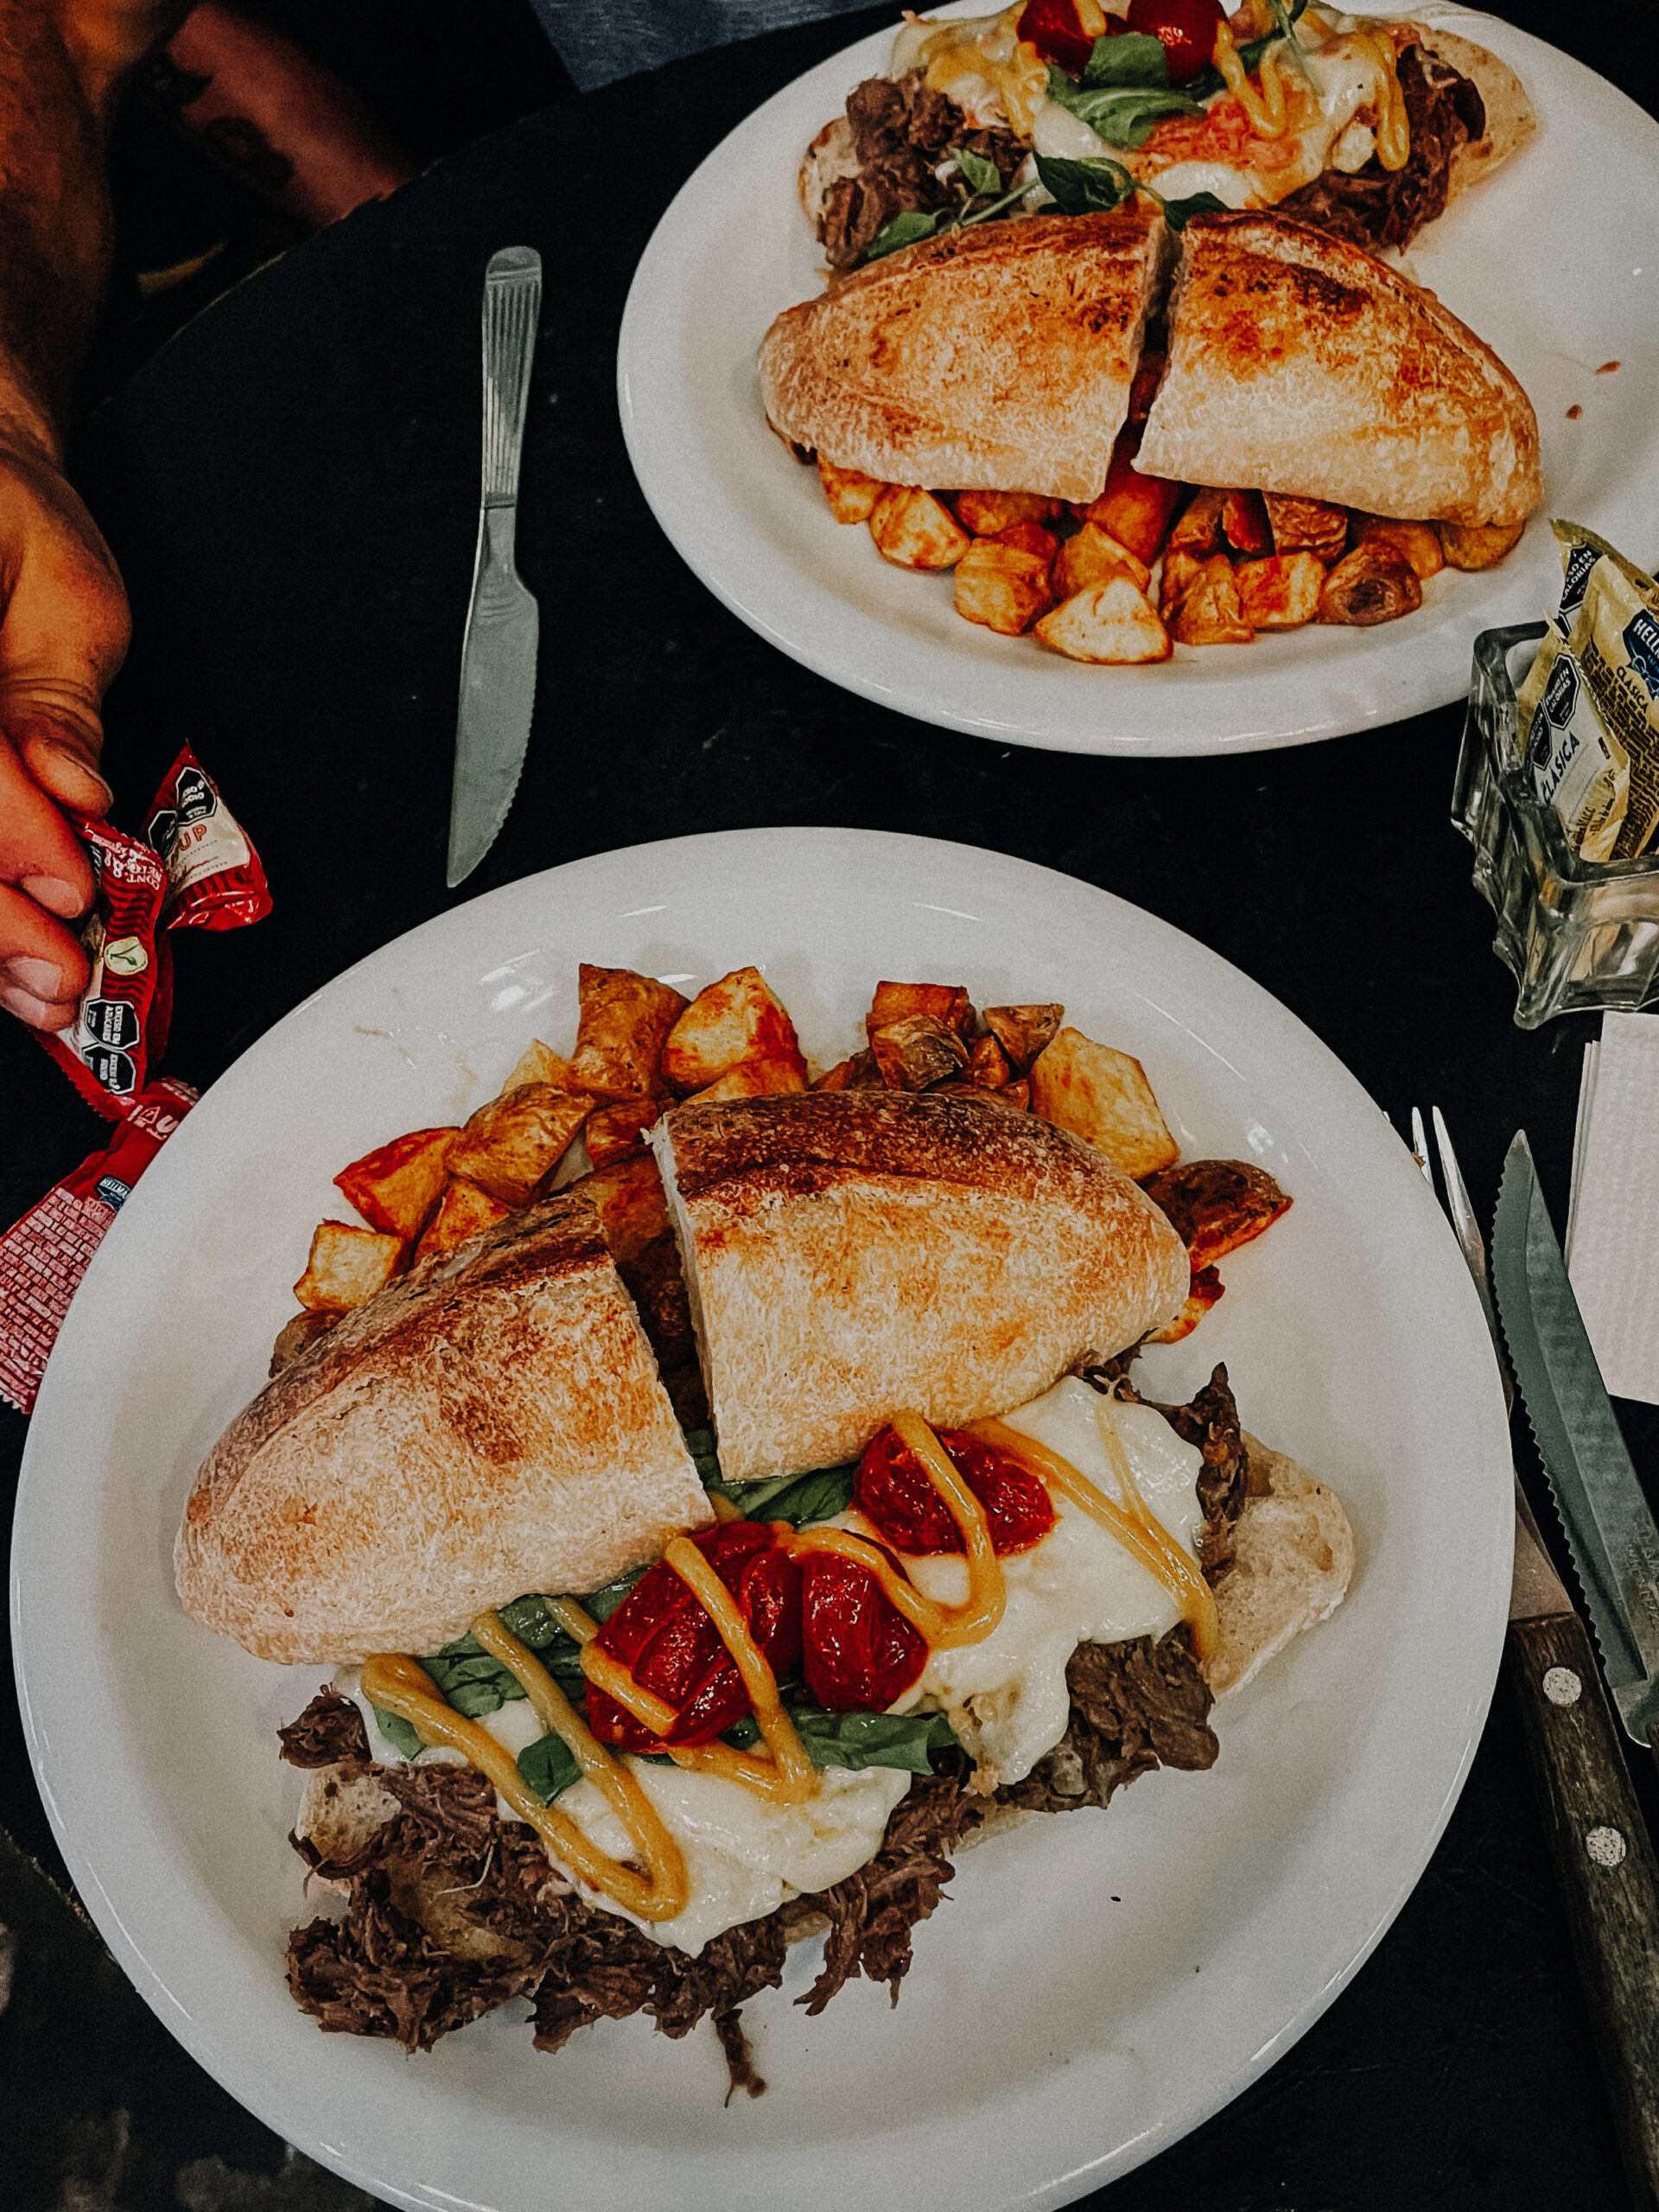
{"x": 1098, "y": 1983}
{"x": 1557, "y": 293}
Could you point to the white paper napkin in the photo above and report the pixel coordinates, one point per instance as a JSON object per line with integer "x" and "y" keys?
{"x": 1613, "y": 1228}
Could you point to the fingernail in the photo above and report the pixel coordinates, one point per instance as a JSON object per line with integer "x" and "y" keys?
{"x": 41, "y": 978}
{"x": 55, "y": 894}
{"x": 25, "y": 1005}
{"x": 77, "y": 760}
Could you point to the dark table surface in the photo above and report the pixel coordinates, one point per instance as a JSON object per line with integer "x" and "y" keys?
{"x": 291, "y": 488}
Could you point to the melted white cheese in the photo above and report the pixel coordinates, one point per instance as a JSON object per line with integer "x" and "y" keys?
{"x": 1006, "y": 1697}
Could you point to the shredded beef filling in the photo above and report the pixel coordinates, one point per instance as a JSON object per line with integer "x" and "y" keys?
{"x": 1134, "y": 1706}
{"x": 873, "y": 1911}
{"x": 329, "y": 1733}
{"x": 1209, "y": 1421}
{"x": 901, "y": 134}
{"x": 1378, "y": 207}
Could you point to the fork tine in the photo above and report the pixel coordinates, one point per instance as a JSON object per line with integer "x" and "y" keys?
{"x": 1470, "y": 1241}
{"x": 1420, "y": 1145}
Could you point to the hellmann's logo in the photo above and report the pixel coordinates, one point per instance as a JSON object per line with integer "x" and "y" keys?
{"x": 1641, "y": 643}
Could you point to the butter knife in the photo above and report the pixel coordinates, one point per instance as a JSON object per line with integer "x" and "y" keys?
{"x": 1604, "y": 1857}
{"x": 498, "y": 657}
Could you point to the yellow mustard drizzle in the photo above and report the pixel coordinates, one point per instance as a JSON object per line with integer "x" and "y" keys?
{"x": 1138, "y": 1530}
{"x": 1392, "y": 125}
{"x": 1018, "y": 75}
{"x": 791, "y": 1776}
{"x": 401, "y": 1685}
{"x": 1263, "y": 105}
{"x": 610, "y": 1674}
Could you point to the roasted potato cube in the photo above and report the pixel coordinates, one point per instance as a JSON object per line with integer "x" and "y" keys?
{"x": 915, "y": 530}
{"x": 758, "y": 1079}
{"x": 858, "y": 1073}
{"x": 987, "y": 514}
{"x": 1307, "y": 526}
{"x": 1000, "y": 586}
{"x": 510, "y": 1147}
{"x": 1371, "y": 584}
{"x": 615, "y": 1132}
{"x": 1210, "y": 612}
{"x": 917, "y": 1050}
{"x": 1135, "y": 510}
{"x": 839, "y": 1077}
{"x": 630, "y": 1203}
{"x": 347, "y": 1265}
{"x": 1102, "y": 1096}
{"x": 1092, "y": 556}
{"x": 1113, "y": 623}
{"x": 1180, "y": 571}
{"x": 1030, "y": 538}
{"x": 538, "y": 1063}
{"x": 739, "y": 1018}
{"x": 988, "y": 1064}
{"x": 1281, "y": 592}
{"x": 1418, "y": 543}
{"x": 293, "y": 1338}
{"x": 1216, "y": 1205}
{"x": 464, "y": 1211}
{"x": 1198, "y": 529}
{"x": 1479, "y": 544}
{"x": 1244, "y": 524}
{"x": 948, "y": 1002}
{"x": 851, "y": 496}
{"x": 1017, "y": 1094}
{"x": 396, "y": 1186}
{"x": 1205, "y": 1289}
{"x": 1148, "y": 375}
{"x": 624, "y": 1022}
{"x": 1023, "y": 1030}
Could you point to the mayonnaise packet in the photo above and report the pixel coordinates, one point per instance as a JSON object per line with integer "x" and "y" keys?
{"x": 1577, "y": 765}
{"x": 1589, "y": 707}
{"x": 1581, "y": 550}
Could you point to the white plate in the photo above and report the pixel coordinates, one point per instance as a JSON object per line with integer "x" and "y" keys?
{"x": 1557, "y": 290}
{"x": 1098, "y": 1983}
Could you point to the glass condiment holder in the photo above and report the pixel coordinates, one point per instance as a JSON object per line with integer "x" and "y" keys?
{"x": 1577, "y": 934}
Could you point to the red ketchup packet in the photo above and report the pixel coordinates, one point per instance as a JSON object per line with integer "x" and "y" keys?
{"x": 44, "y": 1257}
{"x": 196, "y": 870}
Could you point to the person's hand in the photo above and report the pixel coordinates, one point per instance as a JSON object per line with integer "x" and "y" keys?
{"x": 63, "y": 634}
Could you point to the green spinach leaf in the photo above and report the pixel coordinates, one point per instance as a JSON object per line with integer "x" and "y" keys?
{"x": 549, "y": 1766}
{"x": 700, "y": 1442}
{"x": 1084, "y": 188}
{"x": 908, "y": 228}
{"x": 1123, "y": 110}
{"x": 1130, "y": 58}
{"x": 403, "y": 1734}
{"x": 865, "y": 1739}
{"x": 797, "y": 1499}
{"x": 1176, "y": 212}
{"x": 982, "y": 176}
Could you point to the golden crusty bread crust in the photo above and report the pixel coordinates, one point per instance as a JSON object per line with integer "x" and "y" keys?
{"x": 1300, "y": 364}
{"x": 491, "y": 1423}
{"x": 995, "y": 359}
{"x": 850, "y": 1254}
{"x": 1510, "y": 117}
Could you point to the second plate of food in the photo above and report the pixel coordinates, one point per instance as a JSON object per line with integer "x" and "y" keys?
{"x": 1571, "y": 311}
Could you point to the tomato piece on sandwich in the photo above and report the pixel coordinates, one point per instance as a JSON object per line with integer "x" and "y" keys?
{"x": 858, "y": 1651}
{"x": 1055, "y": 28}
{"x": 1187, "y": 29}
{"x": 895, "y": 1497}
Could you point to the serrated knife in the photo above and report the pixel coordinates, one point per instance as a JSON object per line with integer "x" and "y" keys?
{"x": 498, "y": 656}
{"x": 1604, "y": 1859}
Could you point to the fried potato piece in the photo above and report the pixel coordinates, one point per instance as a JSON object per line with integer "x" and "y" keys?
{"x": 851, "y": 496}
{"x": 615, "y": 1132}
{"x": 1113, "y": 624}
{"x": 1210, "y": 611}
{"x": 292, "y": 1338}
{"x": 987, "y": 514}
{"x": 1000, "y": 586}
{"x": 1135, "y": 510}
{"x": 915, "y": 530}
{"x": 624, "y": 1021}
{"x": 1307, "y": 526}
{"x": 739, "y": 1018}
{"x": 347, "y": 1266}
{"x": 1017, "y": 1094}
{"x": 510, "y": 1147}
{"x": 1180, "y": 571}
{"x": 916, "y": 1051}
{"x": 1147, "y": 377}
{"x": 1244, "y": 524}
{"x": 1281, "y": 592}
{"x": 630, "y": 1203}
{"x": 1479, "y": 544}
{"x": 1416, "y": 542}
{"x": 1103, "y": 1097}
{"x": 538, "y": 1063}
{"x": 1369, "y": 585}
{"x": 1198, "y": 529}
{"x": 1024, "y": 1031}
{"x": 396, "y": 1186}
{"x": 464, "y": 1211}
{"x": 758, "y": 1079}
{"x": 1216, "y": 1205}
{"x": 988, "y": 1064}
{"x": 1030, "y": 538}
{"x": 858, "y": 1073}
{"x": 949, "y": 1001}
{"x": 1206, "y": 1291}
{"x": 1092, "y": 556}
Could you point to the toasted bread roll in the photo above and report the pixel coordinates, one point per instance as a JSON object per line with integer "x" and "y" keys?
{"x": 491, "y": 1423}
{"x": 995, "y": 359}
{"x": 852, "y": 1253}
{"x": 1302, "y": 365}
{"x": 1510, "y": 117}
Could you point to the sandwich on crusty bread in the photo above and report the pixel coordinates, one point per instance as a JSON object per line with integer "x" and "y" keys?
{"x": 491, "y": 1423}
{"x": 992, "y": 357}
{"x": 1300, "y": 363}
{"x": 850, "y": 1254}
